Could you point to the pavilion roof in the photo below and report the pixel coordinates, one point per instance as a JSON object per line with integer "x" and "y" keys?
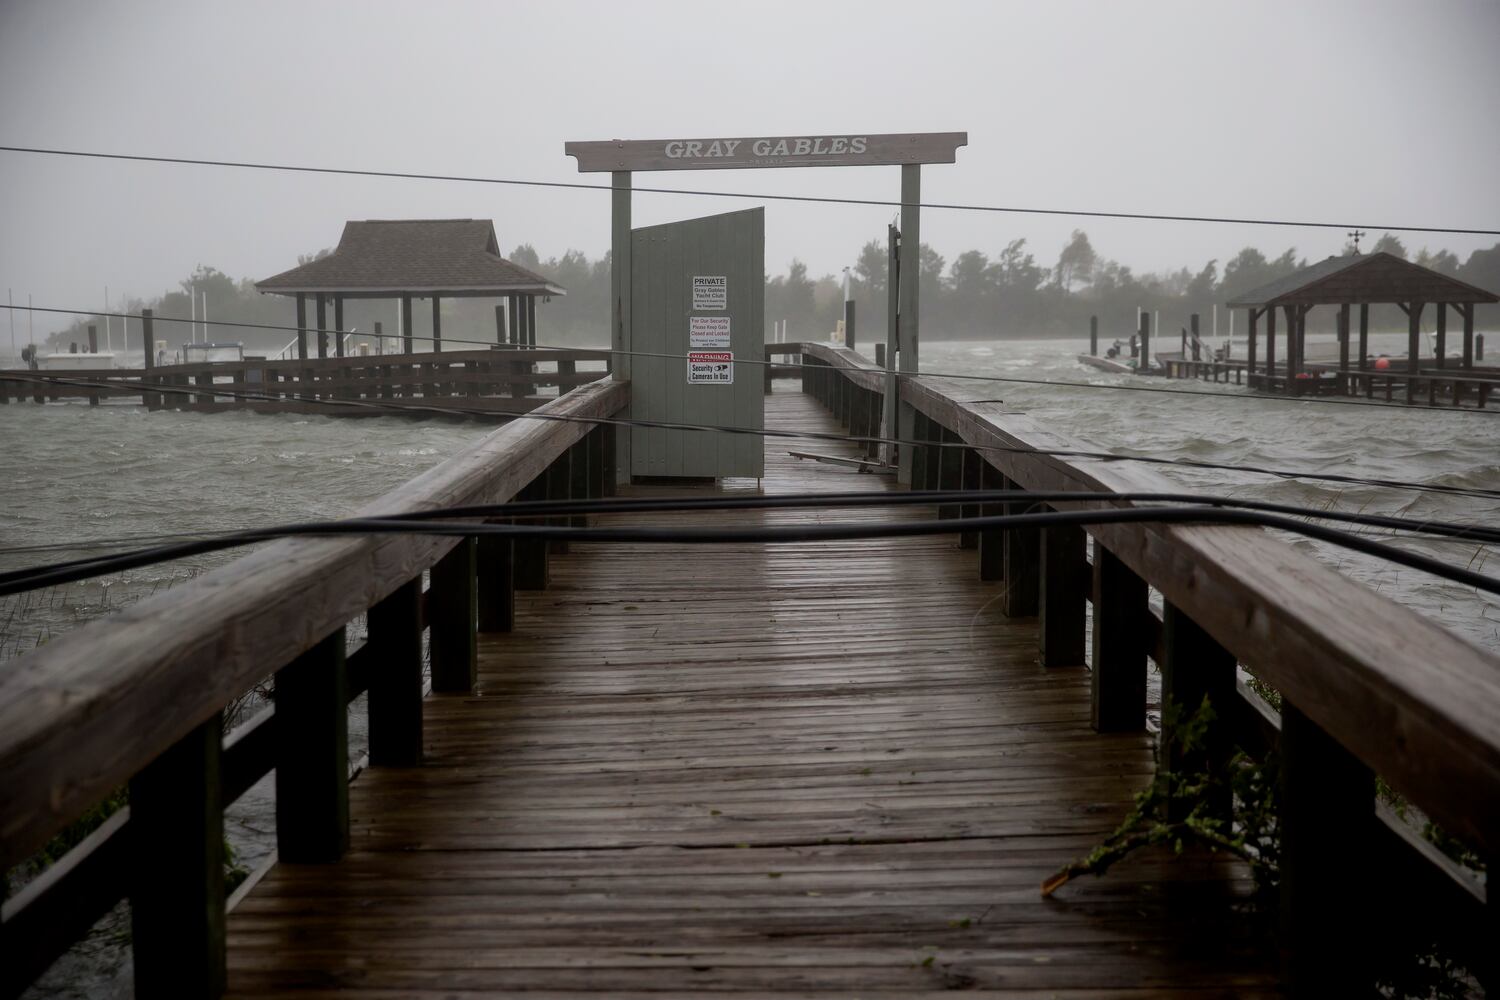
{"x": 379, "y": 258}
{"x": 1376, "y": 277}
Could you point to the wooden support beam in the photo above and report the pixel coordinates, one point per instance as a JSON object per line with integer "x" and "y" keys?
{"x": 453, "y": 620}
{"x": 406, "y": 334}
{"x": 1413, "y": 348}
{"x": 499, "y": 323}
{"x": 302, "y": 325}
{"x": 338, "y": 325}
{"x": 1254, "y": 321}
{"x": 1467, "y": 311}
{"x": 312, "y": 755}
{"x": 322, "y": 303}
{"x": 1022, "y": 564}
{"x": 1064, "y": 591}
{"x": 1364, "y": 335}
{"x": 1343, "y": 329}
{"x": 1195, "y": 667}
{"x": 1270, "y": 344}
{"x": 395, "y": 699}
{"x": 176, "y": 872}
{"x": 1440, "y": 355}
{"x": 1327, "y": 815}
{"x": 437, "y": 324}
{"x": 1121, "y": 613}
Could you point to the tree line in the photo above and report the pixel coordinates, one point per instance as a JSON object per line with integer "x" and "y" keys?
{"x": 978, "y": 295}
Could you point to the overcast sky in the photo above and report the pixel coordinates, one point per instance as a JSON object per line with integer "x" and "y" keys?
{"x": 1378, "y": 113}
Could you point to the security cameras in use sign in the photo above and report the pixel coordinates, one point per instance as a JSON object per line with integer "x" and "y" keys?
{"x": 710, "y": 368}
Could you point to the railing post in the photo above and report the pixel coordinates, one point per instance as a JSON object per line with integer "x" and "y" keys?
{"x": 312, "y": 755}
{"x": 1118, "y": 683}
{"x": 918, "y": 450}
{"x": 177, "y": 868}
{"x": 559, "y": 478}
{"x": 395, "y": 698}
{"x": 950, "y": 470}
{"x": 991, "y": 540}
{"x": 497, "y": 583}
{"x": 530, "y": 554}
{"x": 1327, "y": 808}
{"x": 453, "y": 619}
{"x": 969, "y": 480}
{"x": 1064, "y": 596}
{"x": 579, "y": 468}
{"x": 1022, "y": 564}
{"x": 1194, "y": 667}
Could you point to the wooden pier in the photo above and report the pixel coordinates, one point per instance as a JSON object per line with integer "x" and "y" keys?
{"x": 832, "y": 768}
{"x": 500, "y": 380}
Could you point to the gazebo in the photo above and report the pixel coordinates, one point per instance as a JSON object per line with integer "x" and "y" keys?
{"x": 1362, "y": 280}
{"x": 407, "y": 258}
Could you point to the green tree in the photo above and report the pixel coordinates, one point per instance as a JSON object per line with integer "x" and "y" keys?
{"x": 1076, "y": 262}
{"x": 1391, "y": 244}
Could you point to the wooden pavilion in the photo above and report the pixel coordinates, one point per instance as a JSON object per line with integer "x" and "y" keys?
{"x": 1362, "y": 280}
{"x": 414, "y": 258}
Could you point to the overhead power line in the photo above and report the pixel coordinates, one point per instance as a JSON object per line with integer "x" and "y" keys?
{"x": 757, "y": 196}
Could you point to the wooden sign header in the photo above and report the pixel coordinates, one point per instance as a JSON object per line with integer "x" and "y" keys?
{"x": 852, "y": 150}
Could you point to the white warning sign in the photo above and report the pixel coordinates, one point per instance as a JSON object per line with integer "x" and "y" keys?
{"x": 708, "y": 332}
{"x": 710, "y": 368}
{"x": 710, "y": 291}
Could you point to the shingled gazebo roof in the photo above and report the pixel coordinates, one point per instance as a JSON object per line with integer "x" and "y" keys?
{"x": 382, "y": 258}
{"x": 1362, "y": 278}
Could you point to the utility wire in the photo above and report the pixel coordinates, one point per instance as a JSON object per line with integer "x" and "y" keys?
{"x": 1103, "y": 456}
{"x": 54, "y": 576}
{"x": 527, "y": 509}
{"x": 801, "y": 366}
{"x": 578, "y": 185}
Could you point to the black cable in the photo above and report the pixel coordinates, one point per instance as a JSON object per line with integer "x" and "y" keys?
{"x": 45, "y": 577}
{"x": 800, "y": 366}
{"x": 1407, "y": 527}
{"x": 578, "y": 185}
{"x": 1465, "y": 491}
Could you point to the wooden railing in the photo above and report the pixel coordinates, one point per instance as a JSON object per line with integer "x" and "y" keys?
{"x": 497, "y": 380}
{"x": 1369, "y": 687}
{"x": 138, "y": 699}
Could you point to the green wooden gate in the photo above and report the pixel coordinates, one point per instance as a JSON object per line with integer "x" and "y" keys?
{"x": 698, "y": 295}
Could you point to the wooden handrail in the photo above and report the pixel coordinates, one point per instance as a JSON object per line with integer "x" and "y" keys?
{"x": 1417, "y": 704}
{"x": 84, "y": 713}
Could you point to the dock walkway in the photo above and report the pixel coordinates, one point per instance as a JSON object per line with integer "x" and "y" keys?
{"x": 826, "y": 769}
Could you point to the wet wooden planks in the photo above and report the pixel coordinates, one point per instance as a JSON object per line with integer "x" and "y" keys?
{"x": 812, "y": 770}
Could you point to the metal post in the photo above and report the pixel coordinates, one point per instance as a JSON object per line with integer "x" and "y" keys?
{"x": 892, "y": 342}
{"x": 910, "y": 339}
{"x": 619, "y": 284}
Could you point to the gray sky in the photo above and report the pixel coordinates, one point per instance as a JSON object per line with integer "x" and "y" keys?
{"x": 1368, "y": 112}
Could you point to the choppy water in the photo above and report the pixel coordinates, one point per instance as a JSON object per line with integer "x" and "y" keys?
{"x": 1387, "y": 442}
